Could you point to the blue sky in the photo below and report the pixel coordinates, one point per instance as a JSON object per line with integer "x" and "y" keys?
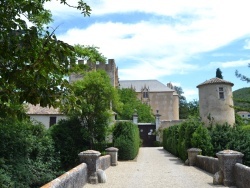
{"x": 179, "y": 41}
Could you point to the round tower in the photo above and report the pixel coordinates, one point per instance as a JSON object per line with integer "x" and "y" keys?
{"x": 215, "y": 101}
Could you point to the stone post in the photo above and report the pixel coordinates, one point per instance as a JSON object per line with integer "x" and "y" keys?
{"x": 227, "y": 161}
{"x": 157, "y": 124}
{"x": 113, "y": 152}
{"x": 135, "y": 118}
{"x": 91, "y": 158}
{"x": 192, "y": 154}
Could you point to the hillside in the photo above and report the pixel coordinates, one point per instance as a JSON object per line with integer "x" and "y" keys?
{"x": 244, "y": 95}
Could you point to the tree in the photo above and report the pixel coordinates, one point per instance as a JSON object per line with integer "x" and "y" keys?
{"x": 130, "y": 104}
{"x": 33, "y": 62}
{"x": 219, "y": 73}
{"x": 242, "y": 77}
{"x": 183, "y": 109}
{"x": 242, "y": 102}
{"x": 94, "y": 94}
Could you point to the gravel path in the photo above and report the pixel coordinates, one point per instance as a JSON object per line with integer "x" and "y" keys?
{"x": 156, "y": 168}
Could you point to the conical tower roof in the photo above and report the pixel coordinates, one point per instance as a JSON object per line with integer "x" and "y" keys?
{"x": 215, "y": 81}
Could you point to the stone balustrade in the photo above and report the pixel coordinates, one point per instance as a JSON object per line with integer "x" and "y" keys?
{"x": 227, "y": 168}
{"x": 91, "y": 170}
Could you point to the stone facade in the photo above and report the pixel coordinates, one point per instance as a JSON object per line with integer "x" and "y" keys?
{"x": 158, "y": 96}
{"x": 215, "y": 101}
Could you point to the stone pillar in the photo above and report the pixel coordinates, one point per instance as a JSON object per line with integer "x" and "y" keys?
{"x": 192, "y": 154}
{"x": 91, "y": 158}
{"x": 135, "y": 118}
{"x": 157, "y": 124}
{"x": 227, "y": 161}
{"x": 113, "y": 152}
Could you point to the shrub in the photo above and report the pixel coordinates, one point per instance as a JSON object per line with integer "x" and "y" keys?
{"x": 28, "y": 157}
{"x": 220, "y": 137}
{"x": 70, "y": 139}
{"x": 170, "y": 139}
{"x": 127, "y": 139}
{"x": 202, "y": 139}
{"x": 178, "y": 139}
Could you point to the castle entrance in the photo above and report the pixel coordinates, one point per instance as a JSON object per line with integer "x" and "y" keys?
{"x": 147, "y": 134}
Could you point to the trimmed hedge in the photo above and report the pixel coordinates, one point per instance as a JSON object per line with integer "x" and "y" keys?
{"x": 191, "y": 133}
{"x": 126, "y": 138}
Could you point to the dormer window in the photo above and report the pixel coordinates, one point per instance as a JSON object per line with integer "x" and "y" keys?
{"x": 221, "y": 93}
{"x": 145, "y": 92}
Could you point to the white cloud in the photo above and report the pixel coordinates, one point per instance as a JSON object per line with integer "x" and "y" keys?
{"x": 159, "y": 47}
{"x": 230, "y": 64}
{"x": 247, "y": 44}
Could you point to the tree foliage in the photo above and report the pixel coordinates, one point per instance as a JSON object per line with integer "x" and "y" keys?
{"x": 94, "y": 94}
{"x": 219, "y": 73}
{"x": 186, "y": 109}
{"x": 33, "y": 62}
{"x": 131, "y": 104}
{"x": 241, "y": 76}
{"x": 241, "y": 99}
{"x": 27, "y": 155}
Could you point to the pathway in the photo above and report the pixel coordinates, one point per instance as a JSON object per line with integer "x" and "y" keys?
{"x": 155, "y": 168}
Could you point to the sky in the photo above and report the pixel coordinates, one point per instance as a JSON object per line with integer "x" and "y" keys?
{"x": 177, "y": 41}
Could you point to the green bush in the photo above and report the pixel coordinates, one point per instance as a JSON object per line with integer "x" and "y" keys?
{"x": 27, "y": 155}
{"x": 202, "y": 139}
{"x": 233, "y": 138}
{"x": 170, "y": 139}
{"x": 127, "y": 139}
{"x": 221, "y": 135}
{"x": 178, "y": 139}
{"x": 70, "y": 139}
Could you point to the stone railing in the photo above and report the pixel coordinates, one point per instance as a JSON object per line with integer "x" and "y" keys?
{"x": 227, "y": 168}
{"x": 91, "y": 170}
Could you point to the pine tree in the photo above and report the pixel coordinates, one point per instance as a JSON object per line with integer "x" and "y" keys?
{"x": 219, "y": 73}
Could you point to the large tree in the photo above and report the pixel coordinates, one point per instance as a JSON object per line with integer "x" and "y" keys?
{"x": 33, "y": 62}
{"x": 95, "y": 95}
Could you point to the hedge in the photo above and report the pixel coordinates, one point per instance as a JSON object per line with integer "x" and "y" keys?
{"x": 191, "y": 133}
{"x": 127, "y": 139}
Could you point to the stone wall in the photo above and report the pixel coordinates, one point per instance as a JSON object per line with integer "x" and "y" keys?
{"x": 105, "y": 162}
{"x": 209, "y": 164}
{"x": 241, "y": 175}
{"x": 76, "y": 177}
{"x": 227, "y": 168}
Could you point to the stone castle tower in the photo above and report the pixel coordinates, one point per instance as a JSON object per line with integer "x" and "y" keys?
{"x": 109, "y": 67}
{"x": 215, "y": 101}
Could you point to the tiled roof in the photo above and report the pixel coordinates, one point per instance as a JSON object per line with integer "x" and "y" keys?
{"x": 215, "y": 81}
{"x": 153, "y": 85}
{"x": 32, "y": 109}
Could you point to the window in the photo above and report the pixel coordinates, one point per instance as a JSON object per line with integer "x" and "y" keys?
{"x": 52, "y": 121}
{"x": 221, "y": 93}
{"x": 145, "y": 94}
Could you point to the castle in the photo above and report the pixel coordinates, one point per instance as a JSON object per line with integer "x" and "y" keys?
{"x": 160, "y": 97}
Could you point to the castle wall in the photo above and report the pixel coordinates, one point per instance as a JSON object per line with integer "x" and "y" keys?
{"x": 109, "y": 67}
